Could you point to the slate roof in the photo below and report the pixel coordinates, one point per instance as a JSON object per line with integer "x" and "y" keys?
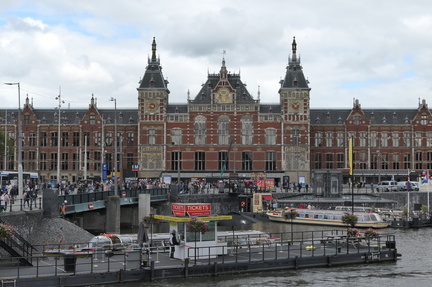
{"x": 376, "y": 116}
{"x": 153, "y": 77}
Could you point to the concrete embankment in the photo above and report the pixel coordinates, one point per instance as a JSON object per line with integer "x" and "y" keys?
{"x": 37, "y": 230}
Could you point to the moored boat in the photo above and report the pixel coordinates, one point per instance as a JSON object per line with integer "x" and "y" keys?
{"x": 327, "y": 218}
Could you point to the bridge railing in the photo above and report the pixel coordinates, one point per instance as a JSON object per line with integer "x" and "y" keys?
{"x": 156, "y": 194}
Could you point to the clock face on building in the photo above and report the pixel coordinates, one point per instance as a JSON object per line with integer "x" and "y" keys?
{"x": 295, "y": 106}
{"x": 223, "y": 96}
{"x": 151, "y": 106}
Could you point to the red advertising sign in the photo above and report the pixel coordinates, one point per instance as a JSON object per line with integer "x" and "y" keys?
{"x": 191, "y": 209}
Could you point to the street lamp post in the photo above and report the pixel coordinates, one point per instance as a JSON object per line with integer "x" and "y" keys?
{"x": 20, "y": 167}
{"x": 58, "y": 140}
{"x": 115, "y": 145}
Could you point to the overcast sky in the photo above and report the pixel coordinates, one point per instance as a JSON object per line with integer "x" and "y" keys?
{"x": 379, "y": 52}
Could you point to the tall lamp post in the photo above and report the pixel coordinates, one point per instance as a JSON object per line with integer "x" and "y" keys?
{"x": 115, "y": 145}
{"x": 20, "y": 167}
{"x": 58, "y": 139}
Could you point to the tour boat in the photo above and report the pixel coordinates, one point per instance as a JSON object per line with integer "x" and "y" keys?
{"x": 327, "y": 218}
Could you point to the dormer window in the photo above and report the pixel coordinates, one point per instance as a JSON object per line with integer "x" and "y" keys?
{"x": 131, "y": 120}
{"x": 384, "y": 120}
{"x": 339, "y": 120}
{"x": 152, "y": 82}
{"x": 423, "y": 120}
{"x": 356, "y": 119}
{"x": 407, "y": 121}
{"x": 394, "y": 115}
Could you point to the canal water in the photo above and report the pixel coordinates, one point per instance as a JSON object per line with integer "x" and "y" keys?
{"x": 414, "y": 268}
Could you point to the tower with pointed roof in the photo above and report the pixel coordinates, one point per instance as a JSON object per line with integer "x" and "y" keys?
{"x": 295, "y": 106}
{"x": 152, "y": 102}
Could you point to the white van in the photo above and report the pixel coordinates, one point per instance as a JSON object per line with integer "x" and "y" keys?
{"x": 387, "y": 185}
{"x": 402, "y": 185}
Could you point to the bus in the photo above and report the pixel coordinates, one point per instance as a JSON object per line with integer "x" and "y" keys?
{"x": 12, "y": 177}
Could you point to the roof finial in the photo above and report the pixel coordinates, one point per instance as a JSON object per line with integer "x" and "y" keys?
{"x": 154, "y": 50}
{"x": 294, "y": 50}
{"x": 223, "y": 71}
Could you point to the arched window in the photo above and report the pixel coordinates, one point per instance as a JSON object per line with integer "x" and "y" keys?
{"x": 223, "y": 130}
{"x": 247, "y": 130}
{"x": 200, "y": 130}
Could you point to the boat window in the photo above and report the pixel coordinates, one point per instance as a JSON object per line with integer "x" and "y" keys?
{"x": 338, "y": 217}
{"x": 307, "y": 215}
{"x": 316, "y": 216}
{"x": 320, "y": 216}
{"x": 373, "y": 217}
{"x": 302, "y": 215}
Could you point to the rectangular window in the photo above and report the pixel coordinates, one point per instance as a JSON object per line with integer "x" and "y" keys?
{"x": 329, "y": 161}
{"x": 75, "y": 139}
{"x": 65, "y": 139}
{"x": 395, "y": 161}
{"x": 270, "y": 160}
{"x": 270, "y": 137}
{"x": 395, "y": 139}
{"x": 86, "y": 139}
{"x": 407, "y": 139}
{"x": 418, "y": 160}
{"x": 199, "y": 160}
{"x": 247, "y": 160}
{"x": 176, "y": 160}
{"x": 318, "y": 139}
{"x": 362, "y": 160}
{"x": 64, "y": 161}
{"x": 329, "y": 139}
{"x": 418, "y": 139}
{"x": 53, "y": 163}
{"x": 97, "y": 161}
{"x": 373, "y": 139}
{"x": 43, "y": 139}
{"x": 429, "y": 160}
{"x": 42, "y": 161}
{"x": 130, "y": 139}
{"x": 407, "y": 161}
{"x": 75, "y": 161}
{"x": 384, "y": 161}
{"x": 32, "y": 139}
{"x": 54, "y": 138}
{"x": 384, "y": 139}
{"x": 98, "y": 138}
{"x": 318, "y": 161}
{"x": 340, "y": 139}
{"x": 151, "y": 136}
{"x": 340, "y": 160}
{"x": 176, "y": 137}
{"x": 363, "y": 139}
{"x": 223, "y": 160}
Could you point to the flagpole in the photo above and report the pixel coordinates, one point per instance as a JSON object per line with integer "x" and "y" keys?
{"x": 351, "y": 166}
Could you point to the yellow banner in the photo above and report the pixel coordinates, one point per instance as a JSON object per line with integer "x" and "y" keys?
{"x": 210, "y": 218}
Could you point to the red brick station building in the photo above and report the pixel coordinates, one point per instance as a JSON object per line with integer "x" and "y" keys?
{"x": 222, "y": 125}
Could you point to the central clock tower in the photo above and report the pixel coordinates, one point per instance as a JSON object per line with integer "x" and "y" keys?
{"x": 152, "y": 103}
{"x": 294, "y": 95}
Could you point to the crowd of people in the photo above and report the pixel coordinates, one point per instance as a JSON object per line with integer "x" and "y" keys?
{"x": 9, "y": 194}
